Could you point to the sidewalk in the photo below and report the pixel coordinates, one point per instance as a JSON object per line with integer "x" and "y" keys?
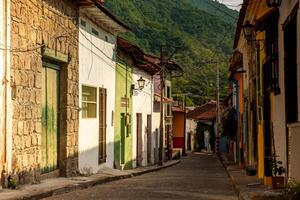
{"x": 248, "y": 187}
{"x": 51, "y": 187}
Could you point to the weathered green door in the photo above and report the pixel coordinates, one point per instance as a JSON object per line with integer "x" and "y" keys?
{"x": 50, "y": 114}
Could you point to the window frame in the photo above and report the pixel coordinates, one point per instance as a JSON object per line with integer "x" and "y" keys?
{"x": 89, "y": 102}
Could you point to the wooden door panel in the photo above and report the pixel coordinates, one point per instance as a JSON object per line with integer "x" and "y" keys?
{"x": 123, "y": 138}
{"x": 44, "y": 121}
{"x": 149, "y": 138}
{"x": 50, "y": 104}
{"x": 102, "y": 125}
{"x": 139, "y": 150}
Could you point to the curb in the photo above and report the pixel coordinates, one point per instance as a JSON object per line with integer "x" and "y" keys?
{"x": 92, "y": 183}
{"x": 233, "y": 182}
{"x": 247, "y": 195}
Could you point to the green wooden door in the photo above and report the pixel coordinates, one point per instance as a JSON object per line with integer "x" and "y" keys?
{"x": 50, "y": 114}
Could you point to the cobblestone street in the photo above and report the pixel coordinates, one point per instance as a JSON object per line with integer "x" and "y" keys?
{"x": 198, "y": 176}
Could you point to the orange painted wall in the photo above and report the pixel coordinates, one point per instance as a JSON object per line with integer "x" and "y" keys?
{"x": 178, "y": 124}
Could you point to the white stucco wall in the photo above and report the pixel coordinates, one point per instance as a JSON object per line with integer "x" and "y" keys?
{"x": 97, "y": 69}
{"x": 191, "y": 126}
{"x": 5, "y": 27}
{"x": 1, "y": 77}
{"x": 278, "y": 105}
{"x": 142, "y": 102}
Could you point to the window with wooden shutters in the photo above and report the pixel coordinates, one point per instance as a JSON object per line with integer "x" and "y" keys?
{"x": 102, "y": 124}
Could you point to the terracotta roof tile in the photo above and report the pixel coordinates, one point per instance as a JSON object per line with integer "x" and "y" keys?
{"x": 205, "y": 112}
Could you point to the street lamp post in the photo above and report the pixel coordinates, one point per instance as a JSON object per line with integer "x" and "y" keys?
{"x": 218, "y": 109}
{"x": 162, "y": 91}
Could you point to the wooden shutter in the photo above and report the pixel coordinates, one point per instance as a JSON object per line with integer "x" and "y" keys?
{"x": 102, "y": 124}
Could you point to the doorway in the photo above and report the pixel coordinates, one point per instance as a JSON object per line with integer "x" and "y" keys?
{"x": 123, "y": 137}
{"x": 139, "y": 139}
{"x": 168, "y": 143}
{"x": 50, "y": 118}
{"x": 189, "y": 141}
{"x": 290, "y": 59}
{"x": 267, "y": 121}
{"x": 149, "y": 138}
{"x": 290, "y": 73}
{"x": 156, "y": 136}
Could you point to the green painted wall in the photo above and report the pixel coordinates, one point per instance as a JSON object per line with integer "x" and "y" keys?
{"x": 123, "y": 142}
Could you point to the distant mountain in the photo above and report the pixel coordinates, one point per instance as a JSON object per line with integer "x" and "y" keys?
{"x": 217, "y": 9}
{"x": 200, "y": 25}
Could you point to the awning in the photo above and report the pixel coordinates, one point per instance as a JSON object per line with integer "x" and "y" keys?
{"x": 157, "y": 98}
{"x": 177, "y": 109}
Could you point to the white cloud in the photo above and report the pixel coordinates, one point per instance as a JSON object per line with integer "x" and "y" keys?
{"x": 233, "y": 4}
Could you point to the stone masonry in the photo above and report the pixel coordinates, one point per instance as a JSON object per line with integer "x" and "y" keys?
{"x": 54, "y": 24}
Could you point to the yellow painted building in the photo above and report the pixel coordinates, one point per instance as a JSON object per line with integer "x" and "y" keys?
{"x": 268, "y": 39}
{"x": 257, "y": 89}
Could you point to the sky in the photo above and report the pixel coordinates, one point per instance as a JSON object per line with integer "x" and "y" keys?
{"x": 233, "y": 4}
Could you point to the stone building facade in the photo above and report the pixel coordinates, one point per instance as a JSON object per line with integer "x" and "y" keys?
{"x": 43, "y": 31}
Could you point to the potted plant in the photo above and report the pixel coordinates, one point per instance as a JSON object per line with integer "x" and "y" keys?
{"x": 251, "y": 171}
{"x": 291, "y": 191}
{"x": 277, "y": 170}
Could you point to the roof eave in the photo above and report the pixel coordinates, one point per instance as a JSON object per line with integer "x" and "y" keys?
{"x": 240, "y": 22}
{"x": 91, "y": 8}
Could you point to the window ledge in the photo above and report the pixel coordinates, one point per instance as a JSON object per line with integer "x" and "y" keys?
{"x": 293, "y": 125}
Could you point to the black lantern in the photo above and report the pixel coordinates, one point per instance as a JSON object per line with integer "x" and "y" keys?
{"x": 141, "y": 83}
{"x": 273, "y": 3}
{"x": 248, "y": 30}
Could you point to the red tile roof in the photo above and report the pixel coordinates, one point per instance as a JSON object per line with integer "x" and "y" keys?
{"x": 205, "y": 112}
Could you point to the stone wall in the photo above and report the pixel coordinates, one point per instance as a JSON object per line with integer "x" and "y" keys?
{"x": 33, "y": 23}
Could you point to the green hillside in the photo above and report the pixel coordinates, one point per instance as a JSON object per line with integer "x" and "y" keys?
{"x": 203, "y": 33}
{"x": 218, "y": 9}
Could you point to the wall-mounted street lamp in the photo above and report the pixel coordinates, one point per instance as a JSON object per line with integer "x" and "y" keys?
{"x": 273, "y": 3}
{"x": 141, "y": 84}
{"x": 248, "y": 30}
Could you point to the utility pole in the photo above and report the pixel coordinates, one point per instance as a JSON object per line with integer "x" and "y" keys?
{"x": 162, "y": 91}
{"x": 218, "y": 109}
{"x": 163, "y": 62}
